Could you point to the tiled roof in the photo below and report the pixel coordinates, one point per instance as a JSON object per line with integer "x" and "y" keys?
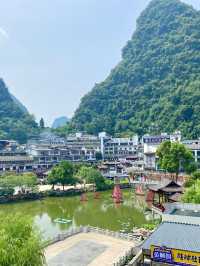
{"x": 175, "y": 235}
{"x": 166, "y": 185}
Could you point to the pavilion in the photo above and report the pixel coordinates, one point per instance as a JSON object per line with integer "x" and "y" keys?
{"x": 166, "y": 191}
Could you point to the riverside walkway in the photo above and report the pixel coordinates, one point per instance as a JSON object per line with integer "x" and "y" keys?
{"x": 87, "y": 249}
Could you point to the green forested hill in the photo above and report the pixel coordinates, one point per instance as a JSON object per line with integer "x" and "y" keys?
{"x": 156, "y": 86}
{"x": 15, "y": 123}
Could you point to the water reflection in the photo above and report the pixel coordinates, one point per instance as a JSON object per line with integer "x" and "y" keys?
{"x": 102, "y": 212}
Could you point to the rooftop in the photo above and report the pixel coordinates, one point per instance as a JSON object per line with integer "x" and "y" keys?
{"x": 167, "y": 186}
{"x": 175, "y": 235}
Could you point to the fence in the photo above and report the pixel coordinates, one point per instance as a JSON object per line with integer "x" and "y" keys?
{"x": 126, "y": 258}
{"x": 86, "y": 229}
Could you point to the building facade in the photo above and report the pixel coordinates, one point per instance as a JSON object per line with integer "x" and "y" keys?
{"x": 151, "y": 144}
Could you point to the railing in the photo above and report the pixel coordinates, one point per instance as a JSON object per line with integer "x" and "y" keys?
{"x": 145, "y": 182}
{"x": 87, "y": 229}
{"x": 124, "y": 260}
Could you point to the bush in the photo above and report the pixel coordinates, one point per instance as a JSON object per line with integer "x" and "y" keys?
{"x": 20, "y": 243}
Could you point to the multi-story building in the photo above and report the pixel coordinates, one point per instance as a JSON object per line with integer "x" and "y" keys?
{"x": 13, "y": 157}
{"x": 83, "y": 147}
{"x": 151, "y": 144}
{"x": 45, "y": 156}
{"x": 113, "y": 169}
{"x": 119, "y": 148}
{"x": 77, "y": 147}
{"x": 194, "y": 146}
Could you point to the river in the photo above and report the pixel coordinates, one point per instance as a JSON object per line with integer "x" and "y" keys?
{"x": 101, "y": 212}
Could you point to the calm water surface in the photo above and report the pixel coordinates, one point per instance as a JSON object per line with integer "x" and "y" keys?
{"x": 96, "y": 212}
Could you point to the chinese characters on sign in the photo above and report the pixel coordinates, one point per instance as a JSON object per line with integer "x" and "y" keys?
{"x": 175, "y": 256}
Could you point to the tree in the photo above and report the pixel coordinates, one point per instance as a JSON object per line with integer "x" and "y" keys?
{"x": 196, "y": 175}
{"x": 92, "y": 176}
{"x": 63, "y": 174}
{"x": 83, "y": 174}
{"x": 65, "y": 170}
{"x": 25, "y": 182}
{"x": 53, "y": 177}
{"x": 174, "y": 157}
{"x": 192, "y": 193}
{"x": 20, "y": 243}
{"x": 42, "y": 123}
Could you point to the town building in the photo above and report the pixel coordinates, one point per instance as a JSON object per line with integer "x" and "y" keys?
{"x": 14, "y": 157}
{"x": 194, "y": 146}
{"x": 163, "y": 192}
{"x": 176, "y": 240}
{"x": 83, "y": 147}
{"x": 118, "y": 148}
{"x": 113, "y": 169}
{"x": 46, "y": 156}
{"x": 151, "y": 144}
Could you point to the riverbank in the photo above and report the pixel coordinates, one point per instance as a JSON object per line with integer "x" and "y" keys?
{"x": 46, "y": 191}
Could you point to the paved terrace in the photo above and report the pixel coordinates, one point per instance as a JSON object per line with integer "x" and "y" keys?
{"x": 87, "y": 249}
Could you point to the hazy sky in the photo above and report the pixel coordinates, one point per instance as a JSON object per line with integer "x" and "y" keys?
{"x": 53, "y": 51}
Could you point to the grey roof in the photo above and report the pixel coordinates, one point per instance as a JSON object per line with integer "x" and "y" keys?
{"x": 175, "y": 235}
{"x": 165, "y": 183}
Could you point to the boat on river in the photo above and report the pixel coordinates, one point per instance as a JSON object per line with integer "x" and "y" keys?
{"x": 62, "y": 221}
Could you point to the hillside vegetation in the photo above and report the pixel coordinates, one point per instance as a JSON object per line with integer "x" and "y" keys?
{"x": 156, "y": 86}
{"x": 15, "y": 122}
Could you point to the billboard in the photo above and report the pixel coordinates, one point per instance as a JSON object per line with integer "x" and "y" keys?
{"x": 175, "y": 256}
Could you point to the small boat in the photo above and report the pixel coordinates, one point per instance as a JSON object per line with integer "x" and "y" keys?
{"x": 62, "y": 221}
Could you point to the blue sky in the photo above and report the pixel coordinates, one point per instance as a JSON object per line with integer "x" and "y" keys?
{"x": 53, "y": 52}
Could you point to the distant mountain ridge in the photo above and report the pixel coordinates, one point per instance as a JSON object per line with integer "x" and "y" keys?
{"x": 15, "y": 121}
{"x": 21, "y": 106}
{"x": 156, "y": 86}
{"x": 60, "y": 122}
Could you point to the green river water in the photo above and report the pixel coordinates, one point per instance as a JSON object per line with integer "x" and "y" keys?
{"x": 101, "y": 212}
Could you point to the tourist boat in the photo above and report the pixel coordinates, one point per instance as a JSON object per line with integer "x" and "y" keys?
{"x": 139, "y": 191}
{"x": 62, "y": 221}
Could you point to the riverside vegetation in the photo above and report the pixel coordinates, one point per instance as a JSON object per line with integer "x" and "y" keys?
{"x": 25, "y": 186}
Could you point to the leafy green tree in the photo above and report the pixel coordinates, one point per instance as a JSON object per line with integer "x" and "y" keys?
{"x": 196, "y": 175}
{"x": 82, "y": 174}
{"x": 25, "y": 182}
{"x": 66, "y": 171}
{"x": 90, "y": 175}
{"x": 191, "y": 181}
{"x": 53, "y": 176}
{"x": 20, "y": 243}
{"x": 192, "y": 193}
{"x": 174, "y": 157}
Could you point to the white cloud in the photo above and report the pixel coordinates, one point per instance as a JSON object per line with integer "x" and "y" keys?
{"x": 4, "y": 33}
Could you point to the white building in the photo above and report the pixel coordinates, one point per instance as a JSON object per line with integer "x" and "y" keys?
{"x": 151, "y": 144}
{"x": 118, "y": 148}
{"x": 194, "y": 146}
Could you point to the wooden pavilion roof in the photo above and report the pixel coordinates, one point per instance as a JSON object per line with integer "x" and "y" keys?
{"x": 167, "y": 186}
